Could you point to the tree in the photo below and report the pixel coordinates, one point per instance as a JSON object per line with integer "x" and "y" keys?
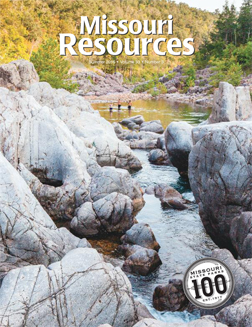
{"x": 51, "y": 67}
{"x": 245, "y": 22}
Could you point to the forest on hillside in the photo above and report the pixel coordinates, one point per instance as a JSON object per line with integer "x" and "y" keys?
{"x": 25, "y": 24}
{"x": 30, "y": 29}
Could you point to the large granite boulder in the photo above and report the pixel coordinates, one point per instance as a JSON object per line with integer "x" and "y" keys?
{"x": 109, "y": 179}
{"x": 178, "y": 142}
{"x": 18, "y": 75}
{"x": 111, "y": 214}
{"x": 153, "y": 126}
{"x": 35, "y": 137}
{"x": 138, "y": 120}
{"x": 220, "y": 173}
{"x": 28, "y": 234}
{"x": 80, "y": 290}
{"x": 241, "y": 234}
{"x": 87, "y": 124}
{"x": 231, "y": 103}
{"x": 242, "y": 272}
{"x": 238, "y": 314}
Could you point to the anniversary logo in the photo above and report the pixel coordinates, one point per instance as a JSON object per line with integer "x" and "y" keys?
{"x": 125, "y": 163}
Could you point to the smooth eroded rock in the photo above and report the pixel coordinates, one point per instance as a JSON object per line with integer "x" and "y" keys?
{"x": 80, "y": 290}
{"x": 220, "y": 174}
{"x": 178, "y": 141}
{"x": 141, "y": 234}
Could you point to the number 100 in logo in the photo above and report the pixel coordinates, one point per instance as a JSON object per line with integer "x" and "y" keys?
{"x": 208, "y": 283}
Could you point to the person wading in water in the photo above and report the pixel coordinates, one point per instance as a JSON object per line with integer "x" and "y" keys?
{"x": 119, "y": 104}
{"x": 129, "y": 105}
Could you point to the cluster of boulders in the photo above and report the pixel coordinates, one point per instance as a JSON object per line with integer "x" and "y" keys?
{"x": 140, "y": 248}
{"x": 144, "y": 135}
{"x": 99, "y": 83}
{"x": 60, "y": 159}
{"x": 177, "y": 80}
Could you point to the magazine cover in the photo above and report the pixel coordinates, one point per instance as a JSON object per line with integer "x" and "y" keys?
{"x": 125, "y": 163}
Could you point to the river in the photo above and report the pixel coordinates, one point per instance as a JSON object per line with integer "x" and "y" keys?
{"x": 180, "y": 234}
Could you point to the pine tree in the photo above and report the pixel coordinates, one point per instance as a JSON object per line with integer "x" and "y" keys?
{"x": 245, "y": 22}
{"x": 51, "y": 67}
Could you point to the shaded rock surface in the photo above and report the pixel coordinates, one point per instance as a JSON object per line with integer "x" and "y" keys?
{"x": 79, "y": 290}
{"x": 238, "y": 314}
{"x": 170, "y": 297}
{"x": 142, "y": 262}
{"x": 159, "y": 157}
{"x": 220, "y": 178}
{"x": 18, "y": 75}
{"x": 141, "y": 234}
{"x": 242, "y": 272}
{"x": 169, "y": 197}
{"x": 241, "y": 236}
{"x": 178, "y": 142}
{"x": 28, "y": 234}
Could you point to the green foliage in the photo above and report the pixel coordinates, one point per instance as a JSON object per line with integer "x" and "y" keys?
{"x": 26, "y": 24}
{"x": 226, "y": 71}
{"x": 144, "y": 87}
{"x": 190, "y": 72}
{"x": 51, "y": 67}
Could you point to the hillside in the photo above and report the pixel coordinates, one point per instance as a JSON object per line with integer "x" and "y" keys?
{"x": 25, "y": 24}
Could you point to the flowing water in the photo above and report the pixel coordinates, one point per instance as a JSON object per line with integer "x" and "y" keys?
{"x": 180, "y": 233}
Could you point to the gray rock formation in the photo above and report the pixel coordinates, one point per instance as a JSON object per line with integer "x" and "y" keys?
{"x": 159, "y": 157}
{"x": 238, "y": 314}
{"x": 142, "y": 262}
{"x": 80, "y": 290}
{"x": 18, "y": 75}
{"x": 115, "y": 213}
{"x": 220, "y": 178}
{"x": 99, "y": 83}
{"x": 35, "y": 137}
{"x": 242, "y": 272}
{"x": 110, "y": 179}
{"x": 241, "y": 236}
{"x": 85, "y": 123}
{"x": 141, "y": 234}
{"x": 169, "y": 197}
{"x": 178, "y": 141}
{"x": 138, "y": 120}
{"x": 231, "y": 104}
{"x": 28, "y": 234}
{"x": 170, "y": 297}
{"x": 153, "y": 126}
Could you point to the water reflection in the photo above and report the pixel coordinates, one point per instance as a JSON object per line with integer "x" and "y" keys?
{"x": 155, "y": 109}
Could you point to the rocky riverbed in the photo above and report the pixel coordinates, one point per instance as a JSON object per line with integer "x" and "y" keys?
{"x": 61, "y": 161}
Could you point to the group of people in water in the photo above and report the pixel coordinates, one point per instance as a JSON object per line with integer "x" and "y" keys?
{"x": 119, "y": 104}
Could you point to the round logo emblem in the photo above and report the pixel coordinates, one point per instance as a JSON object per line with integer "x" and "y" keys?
{"x": 208, "y": 283}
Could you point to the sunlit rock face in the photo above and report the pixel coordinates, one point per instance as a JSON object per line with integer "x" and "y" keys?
{"x": 18, "y": 75}
{"x": 80, "y": 290}
{"x": 87, "y": 124}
